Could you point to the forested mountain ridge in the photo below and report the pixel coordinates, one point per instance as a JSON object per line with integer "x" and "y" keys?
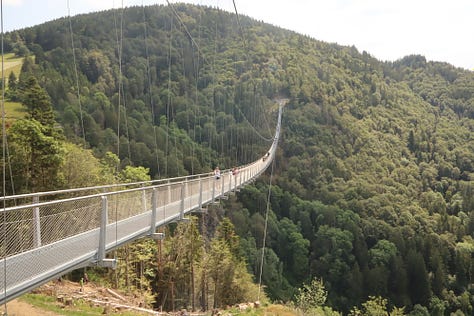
{"x": 373, "y": 190}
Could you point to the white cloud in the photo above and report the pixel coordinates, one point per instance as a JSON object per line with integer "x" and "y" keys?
{"x": 13, "y": 2}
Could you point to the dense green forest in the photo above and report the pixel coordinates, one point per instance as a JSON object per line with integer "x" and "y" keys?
{"x": 372, "y": 189}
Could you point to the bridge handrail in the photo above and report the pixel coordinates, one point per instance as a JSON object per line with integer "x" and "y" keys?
{"x": 127, "y": 184}
{"x": 101, "y": 187}
{"x": 185, "y": 179}
{"x": 142, "y": 184}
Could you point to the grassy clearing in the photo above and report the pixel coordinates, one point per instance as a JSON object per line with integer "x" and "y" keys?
{"x": 14, "y": 110}
{"x": 266, "y": 310}
{"x": 280, "y": 310}
{"x": 11, "y": 63}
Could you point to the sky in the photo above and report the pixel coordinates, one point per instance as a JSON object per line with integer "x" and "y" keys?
{"x": 440, "y": 30}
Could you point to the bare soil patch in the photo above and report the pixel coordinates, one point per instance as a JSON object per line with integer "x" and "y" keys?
{"x": 66, "y": 293}
{"x": 19, "y": 308}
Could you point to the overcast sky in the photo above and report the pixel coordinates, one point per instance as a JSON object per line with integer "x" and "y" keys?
{"x": 441, "y": 30}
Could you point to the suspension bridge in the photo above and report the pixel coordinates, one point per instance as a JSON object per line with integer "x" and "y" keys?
{"x": 70, "y": 229}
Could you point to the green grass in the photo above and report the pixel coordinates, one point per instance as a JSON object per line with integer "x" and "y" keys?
{"x": 14, "y": 110}
{"x": 79, "y": 308}
{"x": 11, "y": 63}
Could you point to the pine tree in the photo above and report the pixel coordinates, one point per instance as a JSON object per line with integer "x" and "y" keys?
{"x": 419, "y": 286}
{"x": 12, "y": 87}
{"x": 36, "y": 156}
{"x": 38, "y": 104}
{"x": 36, "y": 147}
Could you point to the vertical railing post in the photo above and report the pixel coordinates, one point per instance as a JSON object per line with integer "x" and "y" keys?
{"x": 200, "y": 193}
{"x": 103, "y": 228}
{"x": 144, "y": 200}
{"x": 183, "y": 194}
{"x": 222, "y": 185}
{"x": 104, "y": 219}
{"x": 214, "y": 189}
{"x": 240, "y": 178}
{"x": 154, "y": 197}
{"x": 169, "y": 192}
{"x": 187, "y": 191}
{"x": 36, "y": 223}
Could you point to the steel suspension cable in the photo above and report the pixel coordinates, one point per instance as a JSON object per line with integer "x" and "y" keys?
{"x": 152, "y": 105}
{"x": 119, "y": 42}
{"x": 122, "y": 89}
{"x": 119, "y": 53}
{"x": 12, "y": 183}
{"x": 173, "y": 130}
{"x": 125, "y": 117}
{"x": 168, "y": 102}
{"x": 247, "y": 54}
{"x": 121, "y": 93}
{"x": 212, "y": 64}
{"x": 196, "y": 100}
{"x": 213, "y": 105}
{"x": 265, "y": 230}
{"x": 76, "y": 74}
{"x": 185, "y": 28}
{"x": 175, "y": 137}
{"x": 169, "y": 110}
{"x": 196, "y": 96}
{"x": 4, "y": 138}
{"x": 6, "y": 155}
{"x": 240, "y": 26}
{"x": 200, "y": 56}
{"x": 267, "y": 139}
{"x": 188, "y": 126}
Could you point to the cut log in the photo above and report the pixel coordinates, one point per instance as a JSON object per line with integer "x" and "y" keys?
{"x": 116, "y": 295}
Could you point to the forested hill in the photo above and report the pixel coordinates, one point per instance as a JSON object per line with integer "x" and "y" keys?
{"x": 373, "y": 188}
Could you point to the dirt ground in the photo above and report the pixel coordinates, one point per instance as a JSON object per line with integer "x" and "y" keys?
{"x": 65, "y": 291}
{"x": 18, "y": 308}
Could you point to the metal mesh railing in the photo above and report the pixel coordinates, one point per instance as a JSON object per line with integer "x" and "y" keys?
{"x": 69, "y": 218}
{"x": 16, "y": 230}
{"x": 27, "y": 227}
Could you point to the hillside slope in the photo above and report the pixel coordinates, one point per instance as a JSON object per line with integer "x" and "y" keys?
{"x": 373, "y": 188}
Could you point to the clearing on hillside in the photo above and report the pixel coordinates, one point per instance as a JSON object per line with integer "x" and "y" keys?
{"x": 11, "y": 63}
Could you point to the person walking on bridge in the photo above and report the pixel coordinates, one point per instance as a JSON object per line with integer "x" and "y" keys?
{"x": 217, "y": 173}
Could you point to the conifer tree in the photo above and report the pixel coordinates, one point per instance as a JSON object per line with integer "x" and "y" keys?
{"x": 36, "y": 149}
{"x": 38, "y": 104}
{"x": 12, "y": 87}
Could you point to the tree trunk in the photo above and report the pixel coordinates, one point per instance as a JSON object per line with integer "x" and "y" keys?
{"x": 193, "y": 304}
{"x": 172, "y": 295}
